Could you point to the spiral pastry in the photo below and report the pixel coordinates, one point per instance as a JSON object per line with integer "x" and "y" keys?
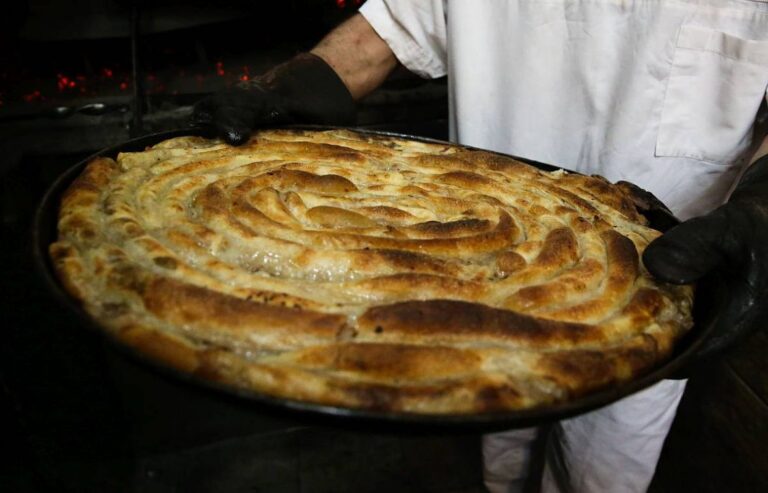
{"x": 368, "y": 271}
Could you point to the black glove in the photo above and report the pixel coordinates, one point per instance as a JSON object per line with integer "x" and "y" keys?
{"x": 303, "y": 90}
{"x": 726, "y": 252}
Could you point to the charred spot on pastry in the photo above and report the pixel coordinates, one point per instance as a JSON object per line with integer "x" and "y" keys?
{"x": 169, "y": 263}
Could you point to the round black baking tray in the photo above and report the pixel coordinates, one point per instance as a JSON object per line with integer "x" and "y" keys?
{"x": 45, "y": 232}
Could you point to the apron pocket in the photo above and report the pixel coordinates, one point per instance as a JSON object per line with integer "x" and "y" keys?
{"x": 714, "y": 91}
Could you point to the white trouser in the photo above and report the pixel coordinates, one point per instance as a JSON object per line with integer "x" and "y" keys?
{"x": 612, "y": 449}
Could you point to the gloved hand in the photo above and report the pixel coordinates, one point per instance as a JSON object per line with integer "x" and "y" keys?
{"x": 726, "y": 251}
{"x": 304, "y": 89}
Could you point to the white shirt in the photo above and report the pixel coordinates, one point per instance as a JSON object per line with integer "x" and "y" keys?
{"x": 661, "y": 93}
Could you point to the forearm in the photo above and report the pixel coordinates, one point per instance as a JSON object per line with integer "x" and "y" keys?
{"x": 319, "y": 87}
{"x": 358, "y": 55}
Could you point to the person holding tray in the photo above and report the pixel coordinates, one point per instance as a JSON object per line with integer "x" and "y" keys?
{"x": 666, "y": 95}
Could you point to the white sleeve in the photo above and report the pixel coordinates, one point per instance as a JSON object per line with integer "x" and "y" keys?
{"x": 414, "y": 31}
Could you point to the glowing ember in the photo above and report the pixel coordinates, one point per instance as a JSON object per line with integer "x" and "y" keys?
{"x": 36, "y": 95}
{"x": 246, "y": 73}
{"x": 62, "y": 81}
{"x": 342, "y": 4}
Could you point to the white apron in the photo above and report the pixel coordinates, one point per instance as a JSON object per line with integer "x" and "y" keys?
{"x": 661, "y": 93}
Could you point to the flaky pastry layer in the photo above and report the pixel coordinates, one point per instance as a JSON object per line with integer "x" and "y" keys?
{"x": 371, "y": 272}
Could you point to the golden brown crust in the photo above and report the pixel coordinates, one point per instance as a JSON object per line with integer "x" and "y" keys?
{"x": 368, "y": 271}
{"x": 462, "y": 322}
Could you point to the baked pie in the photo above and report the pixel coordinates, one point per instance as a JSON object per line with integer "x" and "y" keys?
{"x": 368, "y": 271}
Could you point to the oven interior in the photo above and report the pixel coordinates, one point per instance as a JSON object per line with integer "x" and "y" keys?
{"x": 81, "y": 75}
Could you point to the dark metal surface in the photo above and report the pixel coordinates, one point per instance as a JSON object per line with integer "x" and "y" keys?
{"x": 45, "y": 232}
